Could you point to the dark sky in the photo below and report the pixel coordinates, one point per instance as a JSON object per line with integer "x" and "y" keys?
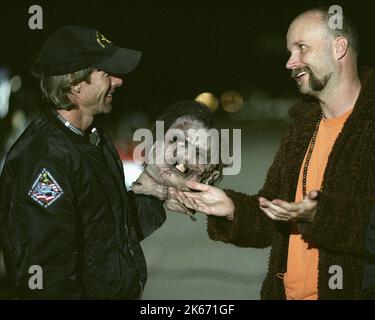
{"x": 188, "y": 46}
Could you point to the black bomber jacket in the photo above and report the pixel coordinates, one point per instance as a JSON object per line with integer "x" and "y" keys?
{"x": 64, "y": 208}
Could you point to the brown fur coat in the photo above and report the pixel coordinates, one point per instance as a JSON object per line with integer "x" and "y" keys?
{"x": 343, "y": 208}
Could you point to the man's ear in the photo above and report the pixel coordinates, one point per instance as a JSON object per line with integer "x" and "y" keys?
{"x": 341, "y": 47}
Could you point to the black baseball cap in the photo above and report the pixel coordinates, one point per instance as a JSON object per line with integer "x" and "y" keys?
{"x": 73, "y": 48}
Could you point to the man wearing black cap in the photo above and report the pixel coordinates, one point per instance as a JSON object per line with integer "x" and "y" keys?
{"x": 68, "y": 226}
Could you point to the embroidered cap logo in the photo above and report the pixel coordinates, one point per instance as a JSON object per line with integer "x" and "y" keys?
{"x": 102, "y": 39}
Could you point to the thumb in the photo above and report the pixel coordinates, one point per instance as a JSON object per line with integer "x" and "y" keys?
{"x": 314, "y": 195}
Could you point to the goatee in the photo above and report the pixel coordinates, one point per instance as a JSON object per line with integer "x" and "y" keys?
{"x": 315, "y": 83}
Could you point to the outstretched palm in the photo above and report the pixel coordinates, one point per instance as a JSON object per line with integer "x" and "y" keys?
{"x": 210, "y": 200}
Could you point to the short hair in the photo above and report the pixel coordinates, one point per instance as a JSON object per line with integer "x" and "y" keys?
{"x": 57, "y": 87}
{"x": 348, "y": 30}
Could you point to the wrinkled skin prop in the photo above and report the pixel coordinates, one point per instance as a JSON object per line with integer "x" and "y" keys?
{"x": 179, "y": 167}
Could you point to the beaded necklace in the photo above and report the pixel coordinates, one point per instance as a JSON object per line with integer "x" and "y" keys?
{"x": 308, "y": 156}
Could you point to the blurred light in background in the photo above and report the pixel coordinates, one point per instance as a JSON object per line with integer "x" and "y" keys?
{"x": 131, "y": 171}
{"x": 258, "y": 105}
{"x": 231, "y": 101}
{"x": 5, "y": 89}
{"x": 209, "y": 100}
{"x": 15, "y": 83}
{"x": 18, "y": 122}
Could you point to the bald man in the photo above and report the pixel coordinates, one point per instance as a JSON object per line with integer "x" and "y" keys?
{"x": 314, "y": 206}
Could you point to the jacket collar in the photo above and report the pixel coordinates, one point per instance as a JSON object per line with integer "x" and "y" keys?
{"x": 49, "y": 115}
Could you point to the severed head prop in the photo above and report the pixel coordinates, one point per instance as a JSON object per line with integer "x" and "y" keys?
{"x": 188, "y": 150}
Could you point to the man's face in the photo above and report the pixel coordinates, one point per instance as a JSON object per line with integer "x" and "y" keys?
{"x": 311, "y": 54}
{"x": 96, "y": 96}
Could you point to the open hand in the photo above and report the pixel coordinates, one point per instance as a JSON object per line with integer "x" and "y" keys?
{"x": 304, "y": 210}
{"x": 211, "y": 200}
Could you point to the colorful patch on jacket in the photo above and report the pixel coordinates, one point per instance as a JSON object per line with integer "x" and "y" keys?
{"x": 45, "y": 189}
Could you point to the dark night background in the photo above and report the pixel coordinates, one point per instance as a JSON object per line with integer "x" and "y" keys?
{"x": 188, "y": 47}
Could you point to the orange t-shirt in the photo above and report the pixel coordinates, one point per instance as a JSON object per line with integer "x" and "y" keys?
{"x": 301, "y": 278}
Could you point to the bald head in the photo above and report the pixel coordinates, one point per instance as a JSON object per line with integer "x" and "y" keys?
{"x": 311, "y": 20}
{"x": 308, "y": 26}
{"x": 320, "y": 18}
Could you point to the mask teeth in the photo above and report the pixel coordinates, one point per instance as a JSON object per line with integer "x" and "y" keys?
{"x": 180, "y": 167}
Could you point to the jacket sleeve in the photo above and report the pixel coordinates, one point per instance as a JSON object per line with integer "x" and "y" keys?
{"x": 148, "y": 214}
{"x": 250, "y": 227}
{"x": 38, "y": 236}
{"x": 339, "y": 224}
